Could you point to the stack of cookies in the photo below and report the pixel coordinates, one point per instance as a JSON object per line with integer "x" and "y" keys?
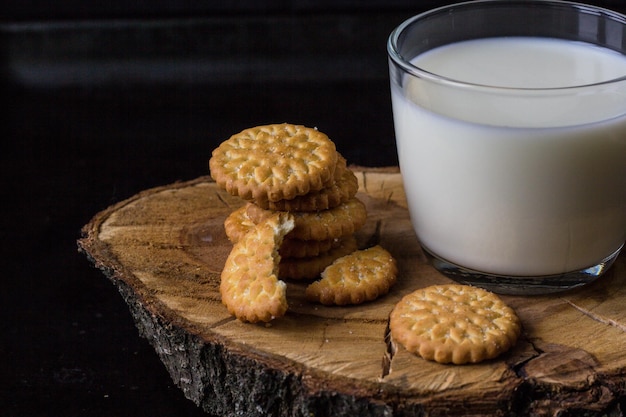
{"x": 298, "y": 223}
{"x": 299, "y": 217}
{"x": 295, "y": 169}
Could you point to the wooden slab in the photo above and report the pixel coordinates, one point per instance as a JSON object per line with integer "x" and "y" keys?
{"x": 164, "y": 250}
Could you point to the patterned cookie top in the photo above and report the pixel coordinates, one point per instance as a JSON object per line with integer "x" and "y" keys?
{"x": 249, "y": 284}
{"x": 274, "y": 162}
{"x": 454, "y": 324}
{"x": 343, "y": 188}
{"x": 361, "y": 276}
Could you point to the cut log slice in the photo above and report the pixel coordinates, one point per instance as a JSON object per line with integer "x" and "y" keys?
{"x": 164, "y": 250}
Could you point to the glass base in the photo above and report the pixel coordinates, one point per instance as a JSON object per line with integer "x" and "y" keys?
{"x": 521, "y": 285}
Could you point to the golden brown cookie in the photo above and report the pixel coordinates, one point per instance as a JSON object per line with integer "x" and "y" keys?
{"x": 454, "y": 324}
{"x": 237, "y": 224}
{"x": 249, "y": 285}
{"x": 274, "y": 162}
{"x": 361, "y": 276}
{"x": 342, "y": 189}
{"x": 311, "y": 268}
{"x": 334, "y": 223}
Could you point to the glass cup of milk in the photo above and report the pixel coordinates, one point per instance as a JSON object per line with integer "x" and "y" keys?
{"x": 510, "y": 123}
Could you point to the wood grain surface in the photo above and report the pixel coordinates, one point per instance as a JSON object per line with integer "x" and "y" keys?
{"x": 164, "y": 250}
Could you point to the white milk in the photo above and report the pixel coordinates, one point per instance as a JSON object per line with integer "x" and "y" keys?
{"x": 525, "y": 186}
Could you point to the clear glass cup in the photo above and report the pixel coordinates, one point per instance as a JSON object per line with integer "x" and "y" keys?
{"x": 517, "y": 186}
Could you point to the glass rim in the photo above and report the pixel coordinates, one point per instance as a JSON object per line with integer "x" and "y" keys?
{"x": 394, "y": 54}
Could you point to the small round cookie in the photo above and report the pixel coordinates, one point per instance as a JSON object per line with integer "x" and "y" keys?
{"x": 454, "y": 324}
{"x": 274, "y": 162}
{"x": 361, "y": 276}
{"x": 311, "y": 268}
{"x": 237, "y": 224}
{"x": 343, "y": 189}
{"x": 249, "y": 285}
{"x": 334, "y": 223}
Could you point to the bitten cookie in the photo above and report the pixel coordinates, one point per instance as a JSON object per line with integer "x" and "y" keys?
{"x": 274, "y": 162}
{"x": 454, "y": 324}
{"x": 249, "y": 285}
{"x": 361, "y": 276}
{"x": 237, "y": 224}
{"x": 334, "y": 223}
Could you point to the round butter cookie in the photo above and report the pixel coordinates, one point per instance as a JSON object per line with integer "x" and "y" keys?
{"x": 249, "y": 285}
{"x": 454, "y": 324}
{"x": 343, "y": 188}
{"x": 274, "y": 162}
{"x": 361, "y": 276}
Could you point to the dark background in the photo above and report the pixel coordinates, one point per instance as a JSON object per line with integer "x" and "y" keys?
{"x": 103, "y": 99}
